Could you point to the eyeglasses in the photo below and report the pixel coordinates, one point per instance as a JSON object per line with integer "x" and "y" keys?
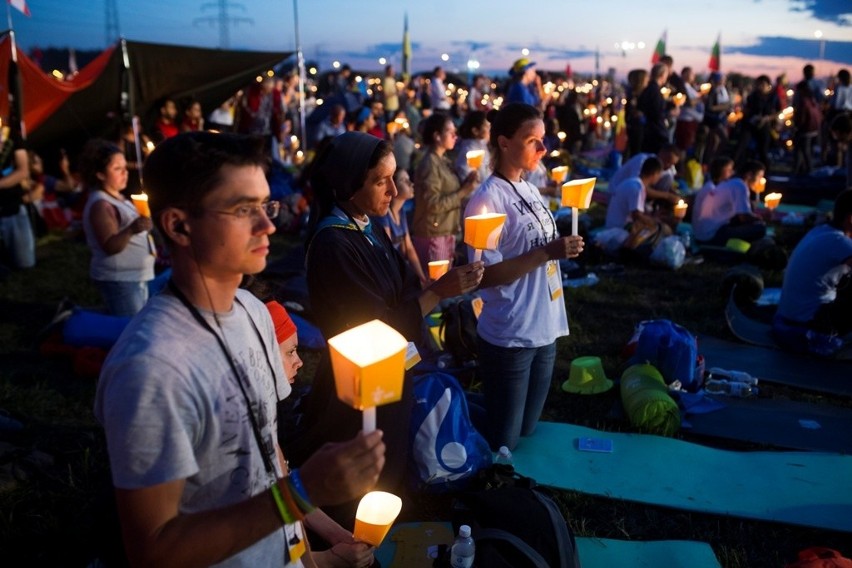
{"x": 269, "y": 208}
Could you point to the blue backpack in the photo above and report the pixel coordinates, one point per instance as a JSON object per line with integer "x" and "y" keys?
{"x": 669, "y": 347}
{"x": 447, "y": 451}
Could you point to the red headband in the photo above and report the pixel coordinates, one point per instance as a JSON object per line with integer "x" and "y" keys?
{"x": 284, "y": 326}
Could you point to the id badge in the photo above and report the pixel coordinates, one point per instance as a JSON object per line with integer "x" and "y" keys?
{"x": 295, "y": 541}
{"x": 554, "y": 280}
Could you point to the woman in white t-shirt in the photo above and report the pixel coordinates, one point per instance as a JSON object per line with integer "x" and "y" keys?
{"x": 524, "y": 310}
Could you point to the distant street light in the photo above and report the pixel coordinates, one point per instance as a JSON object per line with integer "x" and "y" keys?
{"x": 445, "y": 57}
{"x": 382, "y": 60}
{"x": 525, "y": 52}
{"x": 818, "y": 35}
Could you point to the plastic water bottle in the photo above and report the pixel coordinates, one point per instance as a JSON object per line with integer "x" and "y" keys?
{"x": 504, "y": 456}
{"x": 741, "y": 390}
{"x": 461, "y": 555}
{"x": 717, "y": 374}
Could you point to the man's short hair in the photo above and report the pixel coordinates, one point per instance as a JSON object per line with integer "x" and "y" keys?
{"x": 752, "y": 167}
{"x": 651, "y": 166}
{"x": 183, "y": 169}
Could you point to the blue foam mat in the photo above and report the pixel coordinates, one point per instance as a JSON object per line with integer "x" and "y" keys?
{"x": 800, "y": 488}
{"x": 412, "y": 545}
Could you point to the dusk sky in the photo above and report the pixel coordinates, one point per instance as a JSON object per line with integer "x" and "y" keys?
{"x": 757, "y": 36}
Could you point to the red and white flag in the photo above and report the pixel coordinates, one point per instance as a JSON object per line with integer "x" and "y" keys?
{"x": 20, "y": 5}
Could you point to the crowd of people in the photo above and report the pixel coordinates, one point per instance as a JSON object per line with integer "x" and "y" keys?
{"x": 188, "y": 396}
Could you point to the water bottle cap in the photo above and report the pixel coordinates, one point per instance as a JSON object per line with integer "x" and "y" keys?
{"x": 503, "y": 451}
{"x": 464, "y": 531}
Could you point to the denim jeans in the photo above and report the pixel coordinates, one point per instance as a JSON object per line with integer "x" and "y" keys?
{"x": 515, "y": 382}
{"x": 18, "y": 239}
{"x": 123, "y": 298}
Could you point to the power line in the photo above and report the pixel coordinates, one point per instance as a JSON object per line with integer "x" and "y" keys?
{"x": 223, "y": 19}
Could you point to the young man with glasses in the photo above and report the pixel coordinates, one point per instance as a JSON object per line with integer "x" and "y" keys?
{"x": 188, "y": 394}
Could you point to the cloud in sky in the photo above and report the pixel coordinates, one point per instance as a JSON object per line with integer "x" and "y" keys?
{"x": 835, "y": 11}
{"x": 774, "y": 46}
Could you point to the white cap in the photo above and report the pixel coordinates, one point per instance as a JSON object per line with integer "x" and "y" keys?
{"x": 504, "y": 451}
{"x": 464, "y": 531}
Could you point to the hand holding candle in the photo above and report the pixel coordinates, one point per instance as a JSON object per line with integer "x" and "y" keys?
{"x": 368, "y": 363}
{"x": 577, "y": 194}
{"x": 680, "y": 209}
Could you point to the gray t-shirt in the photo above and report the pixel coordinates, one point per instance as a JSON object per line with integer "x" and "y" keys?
{"x": 172, "y": 408}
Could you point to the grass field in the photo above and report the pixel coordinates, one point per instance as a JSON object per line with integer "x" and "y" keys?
{"x": 54, "y": 472}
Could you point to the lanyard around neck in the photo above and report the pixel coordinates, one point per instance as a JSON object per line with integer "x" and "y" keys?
{"x": 528, "y": 206}
{"x": 258, "y": 437}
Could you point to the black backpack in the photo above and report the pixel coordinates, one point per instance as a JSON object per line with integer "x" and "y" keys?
{"x": 458, "y": 328}
{"x": 514, "y": 523}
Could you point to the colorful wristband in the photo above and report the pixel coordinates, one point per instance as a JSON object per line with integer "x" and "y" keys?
{"x": 292, "y": 505}
{"x": 283, "y": 510}
{"x": 299, "y": 492}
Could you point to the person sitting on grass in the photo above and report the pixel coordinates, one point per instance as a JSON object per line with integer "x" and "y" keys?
{"x": 815, "y": 310}
{"x": 188, "y": 394}
{"x": 723, "y": 211}
{"x": 627, "y": 202}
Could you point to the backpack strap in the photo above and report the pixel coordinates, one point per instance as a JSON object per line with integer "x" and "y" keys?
{"x": 565, "y": 542}
{"x": 528, "y": 551}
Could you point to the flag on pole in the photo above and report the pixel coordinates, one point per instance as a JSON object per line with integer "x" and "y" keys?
{"x": 21, "y": 6}
{"x": 660, "y": 50}
{"x": 406, "y": 52}
{"x": 715, "y": 63}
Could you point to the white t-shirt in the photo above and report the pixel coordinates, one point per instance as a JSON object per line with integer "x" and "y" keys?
{"x": 633, "y": 167}
{"x": 172, "y": 409}
{"x": 521, "y": 313}
{"x": 628, "y": 197}
{"x": 715, "y": 205}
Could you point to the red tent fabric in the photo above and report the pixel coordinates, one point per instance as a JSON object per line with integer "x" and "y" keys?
{"x": 42, "y": 94}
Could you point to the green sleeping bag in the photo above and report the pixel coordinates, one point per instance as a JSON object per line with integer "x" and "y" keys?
{"x": 647, "y": 402}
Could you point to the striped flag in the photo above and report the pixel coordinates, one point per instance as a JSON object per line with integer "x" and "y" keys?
{"x": 21, "y": 6}
{"x": 660, "y": 50}
{"x": 715, "y": 63}
{"x": 406, "y": 52}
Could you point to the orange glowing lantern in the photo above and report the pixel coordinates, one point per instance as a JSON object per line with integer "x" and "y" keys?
{"x": 376, "y": 513}
{"x": 680, "y": 209}
{"x": 558, "y": 174}
{"x": 140, "y": 200}
{"x": 474, "y": 158}
{"x": 577, "y": 194}
{"x": 772, "y": 200}
{"x": 369, "y": 364}
{"x": 483, "y": 232}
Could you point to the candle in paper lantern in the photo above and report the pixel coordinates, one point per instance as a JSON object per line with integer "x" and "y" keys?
{"x": 679, "y": 99}
{"x": 483, "y": 232}
{"x": 577, "y": 194}
{"x": 558, "y": 174}
{"x": 772, "y": 200}
{"x": 680, "y": 209}
{"x": 438, "y": 268}
{"x": 376, "y": 513}
{"x": 392, "y": 128}
{"x": 368, "y": 363}
{"x": 759, "y": 186}
{"x": 140, "y": 200}
{"x": 474, "y": 158}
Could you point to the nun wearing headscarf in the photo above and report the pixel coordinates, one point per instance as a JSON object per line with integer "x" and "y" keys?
{"x": 355, "y": 275}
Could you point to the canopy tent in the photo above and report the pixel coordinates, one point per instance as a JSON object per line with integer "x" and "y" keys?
{"x": 73, "y": 111}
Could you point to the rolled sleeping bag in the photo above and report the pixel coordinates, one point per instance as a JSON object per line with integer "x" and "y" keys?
{"x": 647, "y": 402}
